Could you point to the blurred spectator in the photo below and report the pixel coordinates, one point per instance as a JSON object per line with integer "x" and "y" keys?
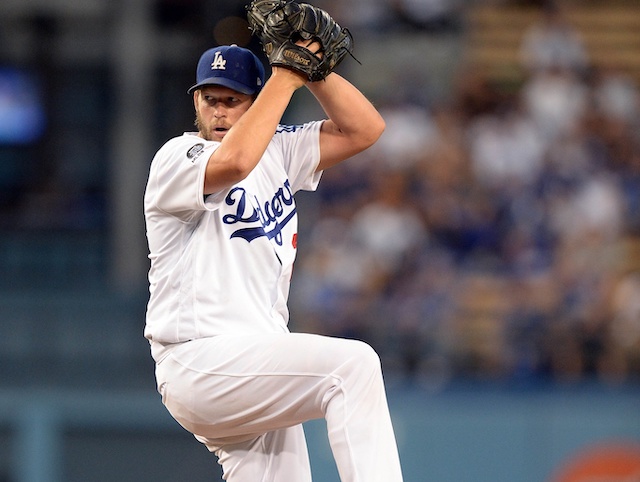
{"x": 616, "y": 96}
{"x": 359, "y": 16}
{"x": 429, "y": 15}
{"x": 389, "y": 227}
{"x": 552, "y": 42}
{"x": 474, "y": 94}
{"x": 625, "y": 326}
{"x": 555, "y": 99}
{"x": 594, "y": 208}
{"x": 630, "y": 182}
{"x": 330, "y": 279}
{"x": 410, "y": 131}
{"x": 414, "y": 318}
{"x": 506, "y": 149}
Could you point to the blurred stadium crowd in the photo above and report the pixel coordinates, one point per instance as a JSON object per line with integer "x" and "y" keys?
{"x": 490, "y": 236}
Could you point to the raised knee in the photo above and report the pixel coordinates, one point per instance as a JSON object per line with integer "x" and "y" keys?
{"x": 365, "y": 357}
{"x": 358, "y": 372}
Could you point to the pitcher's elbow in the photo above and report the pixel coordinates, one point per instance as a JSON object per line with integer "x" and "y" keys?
{"x": 380, "y": 126}
{"x": 375, "y": 131}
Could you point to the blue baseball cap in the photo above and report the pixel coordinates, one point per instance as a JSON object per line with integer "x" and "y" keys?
{"x": 230, "y": 66}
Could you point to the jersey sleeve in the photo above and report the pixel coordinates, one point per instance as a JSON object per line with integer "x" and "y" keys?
{"x": 300, "y": 147}
{"x": 176, "y": 180}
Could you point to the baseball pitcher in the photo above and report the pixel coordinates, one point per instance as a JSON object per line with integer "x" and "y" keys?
{"x": 221, "y": 225}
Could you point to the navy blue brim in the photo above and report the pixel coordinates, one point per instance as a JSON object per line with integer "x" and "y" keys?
{"x": 224, "y": 82}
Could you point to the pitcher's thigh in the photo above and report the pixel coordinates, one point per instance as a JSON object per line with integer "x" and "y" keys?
{"x": 242, "y": 386}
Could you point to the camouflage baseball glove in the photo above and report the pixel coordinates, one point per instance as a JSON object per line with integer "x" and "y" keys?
{"x": 279, "y": 24}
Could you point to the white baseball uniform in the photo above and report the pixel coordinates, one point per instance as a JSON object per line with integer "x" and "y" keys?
{"x": 227, "y": 367}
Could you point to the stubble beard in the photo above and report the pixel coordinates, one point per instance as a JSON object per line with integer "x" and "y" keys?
{"x": 201, "y": 128}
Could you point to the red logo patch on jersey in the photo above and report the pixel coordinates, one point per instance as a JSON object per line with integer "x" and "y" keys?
{"x": 294, "y": 241}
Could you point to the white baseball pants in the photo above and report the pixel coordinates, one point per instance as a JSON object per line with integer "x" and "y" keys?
{"x": 245, "y": 397}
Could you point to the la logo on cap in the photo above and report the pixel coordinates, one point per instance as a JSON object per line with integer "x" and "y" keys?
{"x": 219, "y": 63}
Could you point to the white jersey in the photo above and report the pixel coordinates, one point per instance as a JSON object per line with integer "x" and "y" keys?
{"x": 223, "y": 263}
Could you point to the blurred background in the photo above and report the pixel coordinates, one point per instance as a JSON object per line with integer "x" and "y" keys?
{"x": 488, "y": 246}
